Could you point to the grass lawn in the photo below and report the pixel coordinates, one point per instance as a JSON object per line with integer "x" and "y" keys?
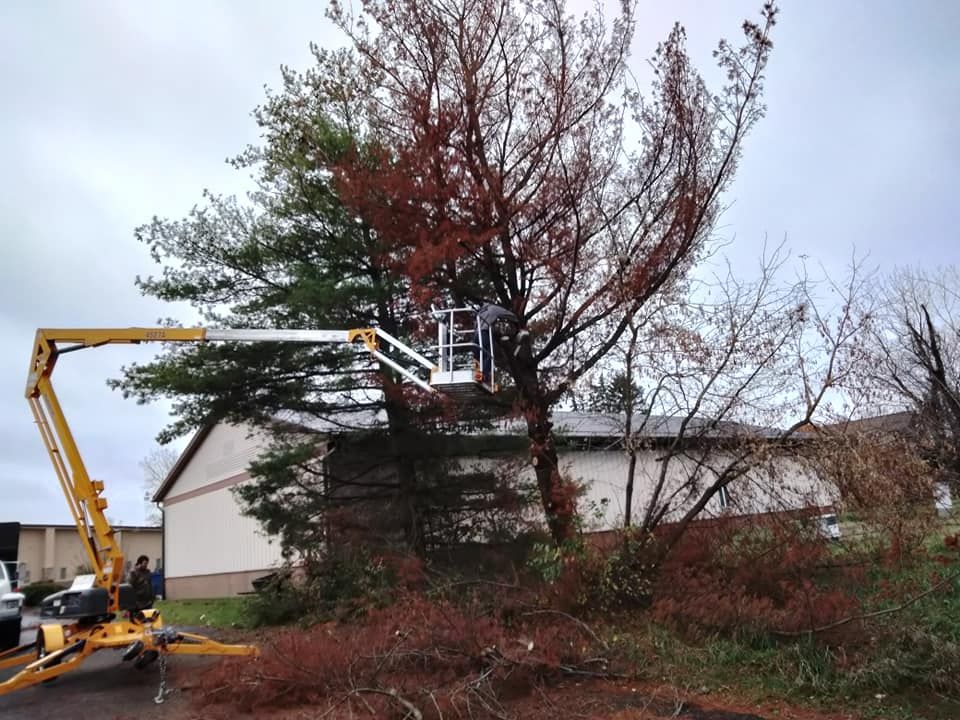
{"x": 798, "y": 673}
{"x": 230, "y": 612}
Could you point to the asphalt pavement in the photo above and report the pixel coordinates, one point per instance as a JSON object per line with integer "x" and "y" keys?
{"x": 103, "y": 687}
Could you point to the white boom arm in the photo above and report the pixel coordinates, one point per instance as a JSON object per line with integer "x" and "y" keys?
{"x": 368, "y": 335}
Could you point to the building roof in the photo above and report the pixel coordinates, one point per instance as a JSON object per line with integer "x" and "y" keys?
{"x": 897, "y": 422}
{"x": 354, "y": 420}
{"x": 195, "y": 442}
{"x": 585, "y": 425}
{"x": 60, "y": 526}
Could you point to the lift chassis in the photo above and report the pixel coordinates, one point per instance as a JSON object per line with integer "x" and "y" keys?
{"x": 101, "y": 617}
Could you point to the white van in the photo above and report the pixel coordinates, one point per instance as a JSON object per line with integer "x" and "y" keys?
{"x": 11, "y": 606}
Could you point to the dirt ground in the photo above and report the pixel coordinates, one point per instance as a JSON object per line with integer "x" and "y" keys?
{"x": 608, "y": 701}
{"x": 117, "y": 691}
{"x": 120, "y": 692}
{"x": 605, "y": 700}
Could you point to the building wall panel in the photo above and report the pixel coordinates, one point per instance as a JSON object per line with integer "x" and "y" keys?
{"x": 56, "y": 553}
{"x": 207, "y": 534}
{"x": 226, "y": 452}
{"x": 206, "y": 586}
{"x": 780, "y": 484}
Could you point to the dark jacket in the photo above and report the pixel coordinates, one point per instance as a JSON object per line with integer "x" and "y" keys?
{"x": 142, "y": 583}
{"x": 490, "y": 314}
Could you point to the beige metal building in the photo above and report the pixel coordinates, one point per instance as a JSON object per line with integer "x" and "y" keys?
{"x": 781, "y": 482}
{"x": 54, "y": 552}
{"x": 211, "y": 549}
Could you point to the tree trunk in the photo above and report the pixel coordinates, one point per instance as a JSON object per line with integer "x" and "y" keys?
{"x": 408, "y": 499}
{"x": 631, "y": 471}
{"x": 557, "y": 494}
{"x": 402, "y": 440}
{"x": 630, "y": 407}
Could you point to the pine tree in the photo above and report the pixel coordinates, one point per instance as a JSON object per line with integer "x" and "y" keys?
{"x": 292, "y": 256}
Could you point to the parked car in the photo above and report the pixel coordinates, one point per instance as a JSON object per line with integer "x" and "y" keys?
{"x": 11, "y": 606}
{"x": 829, "y": 527}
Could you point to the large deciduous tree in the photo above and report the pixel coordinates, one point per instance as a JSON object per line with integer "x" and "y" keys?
{"x": 913, "y": 362}
{"x": 521, "y": 165}
{"x": 734, "y": 368}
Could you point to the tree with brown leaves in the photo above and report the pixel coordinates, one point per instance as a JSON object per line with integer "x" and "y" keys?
{"x": 519, "y": 164}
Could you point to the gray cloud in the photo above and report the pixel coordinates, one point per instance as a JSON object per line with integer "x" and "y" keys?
{"x": 112, "y": 113}
{"x": 116, "y": 111}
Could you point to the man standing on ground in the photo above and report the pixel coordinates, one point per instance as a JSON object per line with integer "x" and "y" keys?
{"x": 141, "y": 579}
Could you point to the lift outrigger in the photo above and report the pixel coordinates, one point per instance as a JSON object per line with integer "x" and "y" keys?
{"x": 83, "y": 621}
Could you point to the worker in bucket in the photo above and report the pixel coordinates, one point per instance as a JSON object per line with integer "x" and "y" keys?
{"x": 505, "y": 325}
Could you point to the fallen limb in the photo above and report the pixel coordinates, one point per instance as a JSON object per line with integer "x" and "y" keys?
{"x": 391, "y": 693}
{"x": 571, "y": 618}
{"x": 870, "y": 615}
{"x": 604, "y": 674}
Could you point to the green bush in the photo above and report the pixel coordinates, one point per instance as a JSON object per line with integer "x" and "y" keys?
{"x": 277, "y": 602}
{"x": 341, "y": 585}
{"x": 348, "y": 584}
{"x": 625, "y": 579}
{"x": 34, "y": 593}
{"x": 597, "y": 579}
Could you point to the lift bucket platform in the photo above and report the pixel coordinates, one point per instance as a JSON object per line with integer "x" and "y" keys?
{"x": 466, "y": 367}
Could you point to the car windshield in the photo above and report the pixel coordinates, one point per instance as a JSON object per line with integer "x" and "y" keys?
{"x": 11, "y": 568}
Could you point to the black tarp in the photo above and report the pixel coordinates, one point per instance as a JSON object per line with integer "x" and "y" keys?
{"x": 9, "y": 540}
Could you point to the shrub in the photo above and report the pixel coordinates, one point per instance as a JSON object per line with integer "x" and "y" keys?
{"x": 740, "y": 579}
{"x": 34, "y": 593}
{"x": 436, "y": 655}
{"x": 604, "y": 573}
{"x": 625, "y": 579}
{"x": 343, "y": 584}
{"x": 887, "y": 483}
{"x": 906, "y": 657}
{"x": 276, "y": 602}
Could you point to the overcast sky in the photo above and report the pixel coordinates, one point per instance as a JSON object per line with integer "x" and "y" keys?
{"x": 113, "y": 112}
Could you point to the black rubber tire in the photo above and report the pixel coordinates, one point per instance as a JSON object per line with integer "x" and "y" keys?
{"x": 148, "y": 657}
{"x": 10, "y": 633}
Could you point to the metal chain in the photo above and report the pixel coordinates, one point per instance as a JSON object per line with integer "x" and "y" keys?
{"x": 162, "y": 693}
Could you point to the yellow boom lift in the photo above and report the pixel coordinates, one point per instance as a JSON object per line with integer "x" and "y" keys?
{"x": 85, "y": 620}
